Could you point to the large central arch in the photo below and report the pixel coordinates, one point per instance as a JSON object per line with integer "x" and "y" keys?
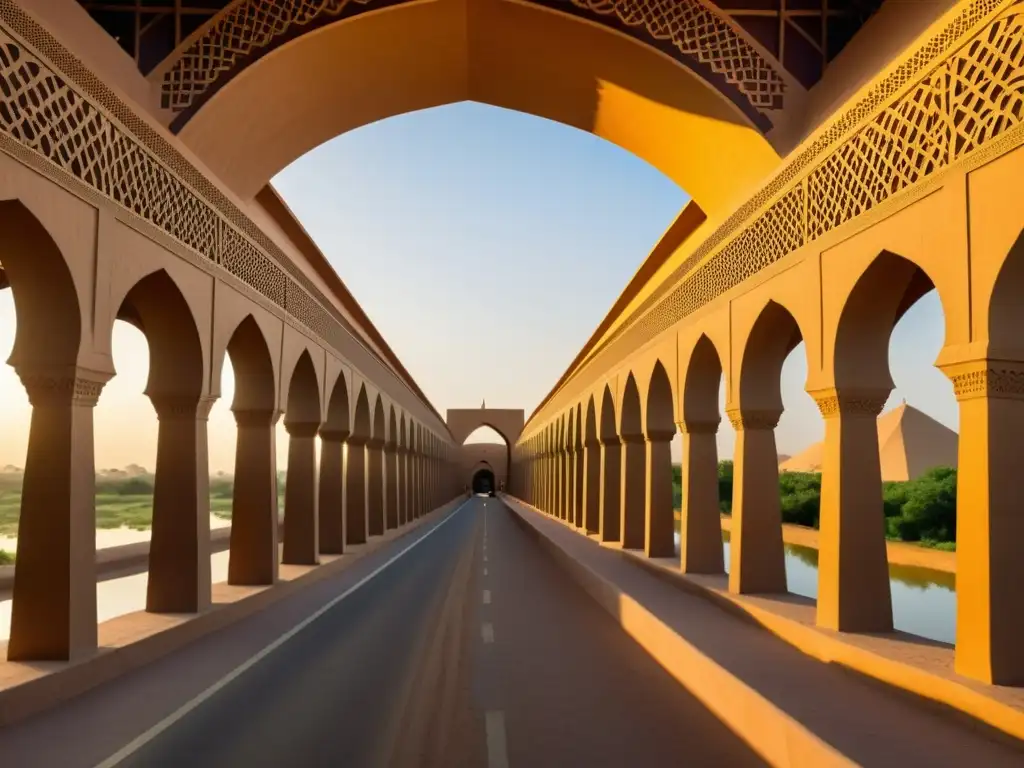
{"x": 305, "y": 85}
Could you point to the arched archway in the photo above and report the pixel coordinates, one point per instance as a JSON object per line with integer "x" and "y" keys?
{"x": 634, "y": 475}
{"x": 852, "y": 521}
{"x": 252, "y": 559}
{"x": 302, "y": 420}
{"x": 486, "y": 446}
{"x": 598, "y": 74}
{"x": 483, "y": 480}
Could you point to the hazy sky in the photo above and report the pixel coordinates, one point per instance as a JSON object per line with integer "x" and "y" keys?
{"x": 485, "y": 245}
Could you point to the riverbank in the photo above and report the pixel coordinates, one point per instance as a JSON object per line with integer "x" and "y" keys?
{"x": 898, "y": 552}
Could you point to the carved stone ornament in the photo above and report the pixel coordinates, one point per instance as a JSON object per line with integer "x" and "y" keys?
{"x": 694, "y": 427}
{"x": 52, "y": 390}
{"x": 255, "y": 417}
{"x": 832, "y": 403}
{"x": 997, "y": 381}
{"x": 743, "y": 420}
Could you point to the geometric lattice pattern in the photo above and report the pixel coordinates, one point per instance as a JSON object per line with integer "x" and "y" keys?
{"x": 249, "y": 27}
{"x": 953, "y": 107}
{"x": 40, "y": 110}
{"x": 699, "y": 32}
{"x": 252, "y": 27}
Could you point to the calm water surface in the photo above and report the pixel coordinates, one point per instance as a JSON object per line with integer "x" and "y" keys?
{"x": 923, "y": 600}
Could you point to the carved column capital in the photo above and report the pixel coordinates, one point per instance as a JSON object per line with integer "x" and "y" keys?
{"x": 631, "y": 439}
{"x": 832, "y": 403}
{"x": 255, "y": 417}
{"x": 375, "y": 442}
{"x": 660, "y": 436}
{"x": 753, "y": 419}
{"x": 302, "y": 428}
{"x": 172, "y": 407}
{"x": 988, "y": 378}
{"x": 74, "y": 387}
{"x": 335, "y": 435}
{"x": 355, "y": 440}
{"x": 610, "y": 440}
{"x": 699, "y": 427}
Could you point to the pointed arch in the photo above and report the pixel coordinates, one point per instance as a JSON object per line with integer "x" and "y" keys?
{"x": 157, "y": 307}
{"x": 889, "y": 286}
{"x": 773, "y": 336}
{"x": 253, "y": 368}
{"x": 660, "y": 418}
{"x": 303, "y": 393}
{"x": 701, "y": 384}
{"x": 46, "y": 303}
{"x": 338, "y": 421}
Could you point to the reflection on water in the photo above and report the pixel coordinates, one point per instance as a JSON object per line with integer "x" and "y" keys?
{"x": 923, "y": 600}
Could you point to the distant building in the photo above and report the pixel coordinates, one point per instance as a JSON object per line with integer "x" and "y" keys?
{"x": 909, "y": 444}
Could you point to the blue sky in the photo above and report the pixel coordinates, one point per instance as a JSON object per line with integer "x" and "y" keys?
{"x": 486, "y": 245}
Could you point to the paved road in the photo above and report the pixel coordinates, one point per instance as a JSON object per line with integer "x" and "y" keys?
{"x": 470, "y": 649}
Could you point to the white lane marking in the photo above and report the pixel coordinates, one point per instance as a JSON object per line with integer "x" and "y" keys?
{"x": 485, "y": 571}
{"x": 488, "y": 633}
{"x": 487, "y": 597}
{"x": 485, "y": 557}
{"x": 497, "y": 750}
{"x": 138, "y": 742}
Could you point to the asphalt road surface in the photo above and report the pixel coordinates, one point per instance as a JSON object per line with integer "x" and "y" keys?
{"x": 461, "y": 644}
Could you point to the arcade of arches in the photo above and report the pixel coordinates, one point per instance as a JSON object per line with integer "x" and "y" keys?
{"x": 835, "y": 177}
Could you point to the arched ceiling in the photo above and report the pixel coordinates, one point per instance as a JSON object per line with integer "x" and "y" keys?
{"x": 748, "y": 49}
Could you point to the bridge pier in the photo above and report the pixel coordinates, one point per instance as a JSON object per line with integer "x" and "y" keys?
{"x": 633, "y": 484}
{"x": 252, "y": 557}
{"x": 331, "y": 503}
{"x": 611, "y": 477}
{"x": 301, "y": 545}
{"x": 853, "y": 569}
{"x": 700, "y": 527}
{"x": 989, "y": 526}
{"x": 179, "y": 553}
{"x": 53, "y": 616}
{"x": 758, "y": 558}
{"x": 658, "y": 517}
{"x": 355, "y": 491}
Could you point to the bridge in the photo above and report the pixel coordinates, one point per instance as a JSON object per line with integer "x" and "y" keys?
{"x": 844, "y": 158}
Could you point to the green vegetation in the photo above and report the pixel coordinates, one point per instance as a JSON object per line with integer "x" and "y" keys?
{"x": 120, "y": 501}
{"x": 6, "y": 558}
{"x": 921, "y": 511}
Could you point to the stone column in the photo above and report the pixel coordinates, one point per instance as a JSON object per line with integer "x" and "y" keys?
{"x": 580, "y": 478}
{"x": 53, "y": 613}
{"x": 632, "y": 486}
{"x": 375, "y": 486}
{"x": 568, "y": 487}
{"x": 610, "y": 495}
{"x": 989, "y": 566}
{"x": 179, "y": 550}
{"x": 253, "y": 555}
{"x": 301, "y": 545}
{"x": 331, "y": 505}
{"x": 591, "y": 487}
{"x": 355, "y": 491}
{"x": 700, "y": 526}
{"x": 757, "y": 561}
{"x": 415, "y": 484}
{"x": 391, "y": 500}
{"x": 853, "y": 571}
{"x": 402, "y": 485}
{"x": 659, "y": 540}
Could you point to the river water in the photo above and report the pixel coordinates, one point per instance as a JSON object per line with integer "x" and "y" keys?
{"x": 923, "y": 600}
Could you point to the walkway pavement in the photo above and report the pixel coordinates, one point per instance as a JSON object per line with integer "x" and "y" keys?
{"x": 868, "y": 722}
{"x": 461, "y": 644}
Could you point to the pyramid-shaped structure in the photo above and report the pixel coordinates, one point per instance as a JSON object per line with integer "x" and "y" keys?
{"x": 909, "y": 444}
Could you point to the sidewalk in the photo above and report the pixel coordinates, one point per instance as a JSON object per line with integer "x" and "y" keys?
{"x": 863, "y": 720}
